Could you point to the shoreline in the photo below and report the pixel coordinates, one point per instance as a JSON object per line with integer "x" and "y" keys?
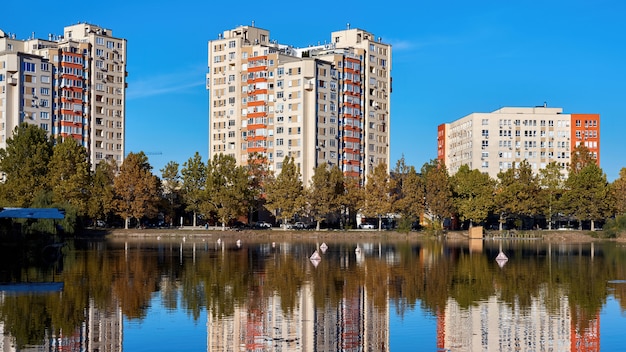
{"x": 573, "y": 236}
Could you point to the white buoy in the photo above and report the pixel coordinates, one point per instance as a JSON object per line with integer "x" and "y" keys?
{"x": 357, "y": 249}
{"x": 501, "y": 259}
{"x": 238, "y": 243}
{"x": 323, "y": 247}
{"x": 315, "y": 256}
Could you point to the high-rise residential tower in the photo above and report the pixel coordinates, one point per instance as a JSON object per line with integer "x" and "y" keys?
{"x": 496, "y": 141}
{"x": 71, "y": 85}
{"x": 327, "y": 103}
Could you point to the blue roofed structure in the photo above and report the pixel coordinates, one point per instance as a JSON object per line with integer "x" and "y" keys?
{"x": 32, "y": 213}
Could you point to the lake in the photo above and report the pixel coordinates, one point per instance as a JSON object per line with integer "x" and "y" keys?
{"x": 205, "y": 293}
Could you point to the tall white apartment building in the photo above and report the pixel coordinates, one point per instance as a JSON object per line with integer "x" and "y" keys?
{"x": 71, "y": 85}
{"x": 324, "y": 103}
{"x": 496, "y": 141}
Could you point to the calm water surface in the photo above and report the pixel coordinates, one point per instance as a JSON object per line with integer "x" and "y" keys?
{"x": 201, "y": 294}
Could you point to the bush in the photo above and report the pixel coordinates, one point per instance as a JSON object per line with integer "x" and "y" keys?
{"x": 405, "y": 225}
{"x": 615, "y": 226}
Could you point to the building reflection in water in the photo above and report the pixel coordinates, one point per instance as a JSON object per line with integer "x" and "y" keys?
{"x": 101, "y": 331}
{"x": 353, "y": 322}
{"x": 492, "y": 325}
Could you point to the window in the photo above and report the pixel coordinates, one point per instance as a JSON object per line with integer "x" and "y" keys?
{"x": 28, "y": 66}
{"x": 99, "y": 41}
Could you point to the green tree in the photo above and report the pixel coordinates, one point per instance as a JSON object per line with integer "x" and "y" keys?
{"x": 324, "y": 192}
{"x": 259, "y": 172}
{"x": 24, "y": 163}
{"x": 551, "y": 182}
{"x": 618, "y": 193}
{"x": 70, "y": 175}
{"x": 171, "y": 189}
{"x": 409, "y": 193}
{"x": 101, "y": 201}
{"x": 437, "y": 191}
{"x": 194, "y": 180}
{"x": 285, "y": 193}
{"x": 137, "y": 190}
{"x": 227, "y": 188}
{"x": 517, "y": 193}
{"x": 378, "y": 195}
{"x": 473, "y": 194}
{"x": 585, "y": 196}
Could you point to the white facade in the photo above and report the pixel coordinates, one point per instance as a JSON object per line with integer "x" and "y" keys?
{"x": 495, "y": 142}
{"x": 71, "y": 85}
{"x": 326, "y": 103}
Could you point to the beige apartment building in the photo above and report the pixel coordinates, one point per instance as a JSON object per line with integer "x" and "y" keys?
{"x": 72, "y": 85}
{"x": 323, "y": 103}
{"x": 496, "y": 141}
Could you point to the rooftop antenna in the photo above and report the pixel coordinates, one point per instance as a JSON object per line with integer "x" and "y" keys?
{"x": 252, "y": 23}
{"x": 545, "y": 104}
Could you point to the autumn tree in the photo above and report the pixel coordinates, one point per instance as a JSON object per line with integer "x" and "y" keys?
{"x": 618, "y": 193}
{"x": 194, "y": 181}
{"x": 285, "y": 193}
{"x": 101, "y": 194}
{"x": 171, "y": 188}
{"x": 227, "y": 189}
{"x": 70, "y": 175}
{"x": 551, "y": 182}
{"x": 24, "y": 164}
{"x": 378, "y": 195}
{"x": 437, "y": 191}
{"x": 473, "y": 194}
{"x": 581, "y": 157}
{"x": 137, "y": 190}
{"x": 324, "y": 192}
{"x": 408, "y": 191}
{"x": 585, "y": 196}
{"x": 350, "y": 201}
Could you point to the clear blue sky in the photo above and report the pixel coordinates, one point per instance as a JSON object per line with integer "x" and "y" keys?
{"x": 450, "y": 58}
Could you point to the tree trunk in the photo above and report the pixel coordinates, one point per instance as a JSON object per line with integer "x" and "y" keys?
{"x": 593, "y": 225}
{"x": 317, "y": 227}
{"x": 126, "y": 222}
{"x": 194, "y": 218}
{"x": 380, "y": 223}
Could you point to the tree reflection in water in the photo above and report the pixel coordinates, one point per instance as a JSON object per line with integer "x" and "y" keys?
{"x": 342, "y": 303}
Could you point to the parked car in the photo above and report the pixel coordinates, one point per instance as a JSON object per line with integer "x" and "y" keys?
{"x": 299, "y": 225}
{"x": 263, "y": 225}
{"x": 367, "y": 226}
